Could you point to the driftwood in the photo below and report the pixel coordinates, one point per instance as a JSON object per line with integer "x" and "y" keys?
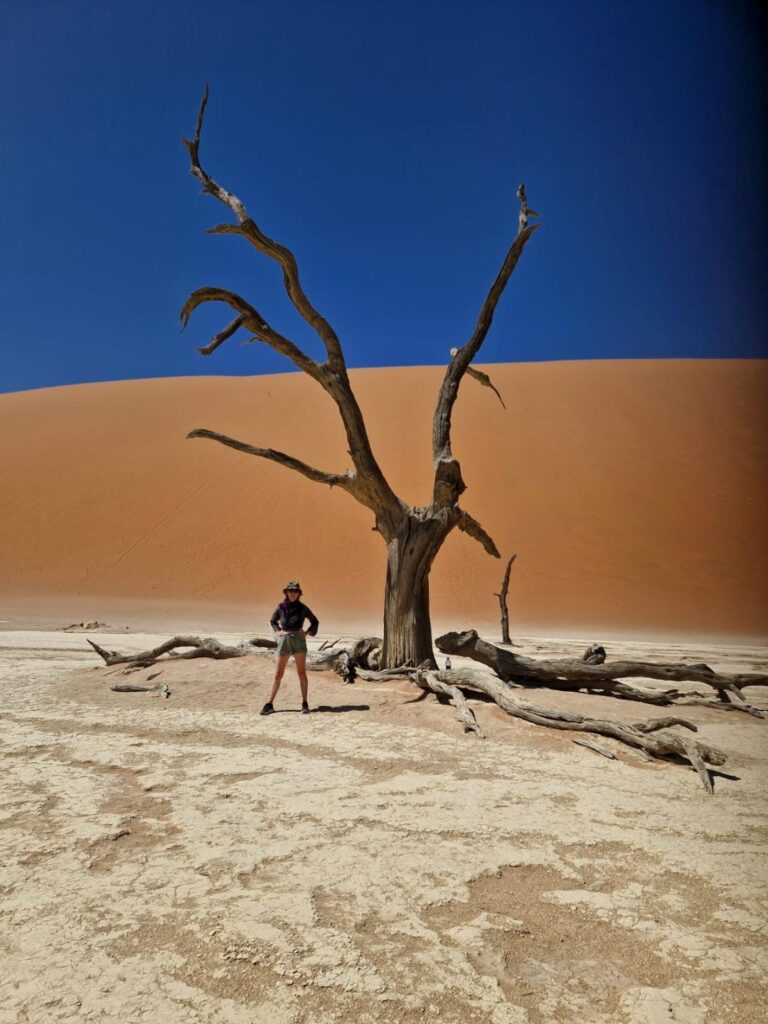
{"x": 502, "y": 596}
{"x": 606, "y": 677}
{"x": 594, "y": 655}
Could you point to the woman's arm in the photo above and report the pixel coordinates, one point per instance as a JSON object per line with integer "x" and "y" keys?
{"x": 313, "y": 622}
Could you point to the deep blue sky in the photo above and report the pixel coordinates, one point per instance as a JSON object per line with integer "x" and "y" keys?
{"x": 384, "y": 143}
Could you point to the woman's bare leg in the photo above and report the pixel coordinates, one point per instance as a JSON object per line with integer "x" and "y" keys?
{"x": 282, "y": 661}
{"x": 301, "y": 668}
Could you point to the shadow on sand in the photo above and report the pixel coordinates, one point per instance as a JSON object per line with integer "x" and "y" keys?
{"x": 324, "y": 709}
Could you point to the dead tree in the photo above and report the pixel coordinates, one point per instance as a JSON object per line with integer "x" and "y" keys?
{"x": 505, "y": 638}
{"x": 413, "y": 534}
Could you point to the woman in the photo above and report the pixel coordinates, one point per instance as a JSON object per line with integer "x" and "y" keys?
{"x": 287, "y": 623}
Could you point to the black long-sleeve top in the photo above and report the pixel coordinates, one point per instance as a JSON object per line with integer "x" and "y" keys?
{"x": 290, "y": 615}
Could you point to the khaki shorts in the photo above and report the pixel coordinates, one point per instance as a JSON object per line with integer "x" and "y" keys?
{"x": 291, "y": 643}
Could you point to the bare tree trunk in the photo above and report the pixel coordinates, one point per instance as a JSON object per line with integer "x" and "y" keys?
{"x": 407, "y": 629}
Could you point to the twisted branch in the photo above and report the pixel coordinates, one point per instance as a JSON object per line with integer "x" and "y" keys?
{"x": 249, "y": 230}
{"x": 222, "y": 336}
{"x": 249, "y": 317}
{"x": 373, "y": 489}
{"x": 429, "y": 681}
{"x": 653, "y": 739}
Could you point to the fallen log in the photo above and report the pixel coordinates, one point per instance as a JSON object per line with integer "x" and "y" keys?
{"x": 207, "y": 647}
{"x": 604, "y": 676}
{"x": 654, "y": 738}
{"x": 365, "y": 653}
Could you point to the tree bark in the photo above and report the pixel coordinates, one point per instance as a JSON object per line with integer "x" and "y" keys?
{"x": 407, "y": 628}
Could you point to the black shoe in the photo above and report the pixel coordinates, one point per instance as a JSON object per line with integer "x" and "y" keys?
{"x": 267, "y": 709}
{"x": 304, "y": 708}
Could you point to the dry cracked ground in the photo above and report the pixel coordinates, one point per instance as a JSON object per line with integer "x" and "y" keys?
{"x": 186, "y": 860}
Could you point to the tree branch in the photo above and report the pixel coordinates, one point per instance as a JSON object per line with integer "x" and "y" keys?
{"x": 429, "y": 681}
{"x": 222, "y": 336}
{"x": 656, "y": 742}
{"x": 482, "y": 378}
{"x": 372, "y": 490}
{"x": 252, "y": 319}
{"x": 247, "y": 227}
{"x": 347, "y": 481}
{"x": 448, "y": 482}
{"x": 467, "y": 524}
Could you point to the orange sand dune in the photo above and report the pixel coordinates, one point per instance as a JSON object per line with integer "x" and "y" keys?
{"x": 635, "y": 494}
